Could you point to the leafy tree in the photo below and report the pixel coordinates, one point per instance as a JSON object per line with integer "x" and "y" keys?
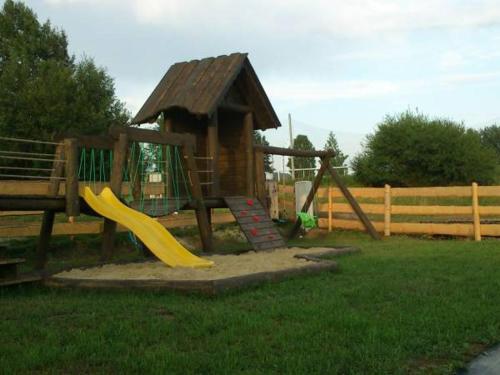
{"x": 43, "y": 91}
{"x": 410, "y": 149}
{"x": 260, "y": 139}
{"x": 339, "y": 159}
{"x": 301, "y": 142}
{"x": 490, "y": 137}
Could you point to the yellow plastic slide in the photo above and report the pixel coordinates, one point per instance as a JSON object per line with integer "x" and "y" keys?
{"x": 151, "y": 233}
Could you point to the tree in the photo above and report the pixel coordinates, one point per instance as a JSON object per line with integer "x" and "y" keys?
{"x": 260, "y": 139}
{"x": 410, "y": 149}
{"x": 490, "y": 137}
{"x": 339, "y": 159}
{"x": 43, "y": 91}
{"x": 301, "y": 142}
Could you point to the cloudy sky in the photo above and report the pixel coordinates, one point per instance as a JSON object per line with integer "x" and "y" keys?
{"x": 334, "y": 65}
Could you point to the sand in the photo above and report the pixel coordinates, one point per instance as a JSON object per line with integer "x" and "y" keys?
{"x": 225, "y": 266}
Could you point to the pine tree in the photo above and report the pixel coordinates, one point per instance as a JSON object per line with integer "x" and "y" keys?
{"x": 339, "y": 159}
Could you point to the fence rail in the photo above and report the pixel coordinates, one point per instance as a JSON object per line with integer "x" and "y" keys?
{"x": 394, "y": 210}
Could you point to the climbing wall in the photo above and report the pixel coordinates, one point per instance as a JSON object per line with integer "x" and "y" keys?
{"x": 255, "y": 223}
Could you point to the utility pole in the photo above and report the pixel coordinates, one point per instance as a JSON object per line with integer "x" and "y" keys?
{"x": 292, "y": 164}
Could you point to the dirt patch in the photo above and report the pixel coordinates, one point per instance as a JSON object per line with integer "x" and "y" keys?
{"x": 226, "y": 266}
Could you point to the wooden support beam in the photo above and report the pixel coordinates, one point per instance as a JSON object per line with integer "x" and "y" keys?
{"x": 290, "y": 152}
{"x": 260, "y": 177}
{"x": 152, "y": 136}
{"x": 119, "y": 160}
{"x": 354, "y": 204}
{"x": 166, "y": 126}
{"x": 201, "y": 211}
{"x": 325, "y": 163}
{"x": 248, "y": 129}
{"x": 71, "y": 168}
{"x": 43, "y": 243}
{"x": 213, "y": 152}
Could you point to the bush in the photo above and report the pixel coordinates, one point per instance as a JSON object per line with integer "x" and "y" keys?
{"x": 410, "y": 149}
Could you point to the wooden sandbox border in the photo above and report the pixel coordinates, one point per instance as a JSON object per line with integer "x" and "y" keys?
{"x": 211, "y": 287}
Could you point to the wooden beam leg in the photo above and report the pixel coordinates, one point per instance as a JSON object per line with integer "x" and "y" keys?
{"x": 108, "y": 239}
{"x": 325, "y": 163}
{"x": 201, "y": 211}
{"x": 354, "y": 205}
{"x": 44, "y": 239}
{"x": 119, "y": 160}
{"x": 43, "y": 243}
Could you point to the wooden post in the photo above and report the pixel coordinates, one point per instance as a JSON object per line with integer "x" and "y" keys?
{"x": 330, "y": 208}
{"x": 213, "y": 152}
{"x": 166, "y": 126}
{"x": 260, "y": 177}
{"x": 354, "y": 205}
{"x": 249, "y": 155}
{"x": 325, "y": 163}
{"x": 49, "y": 215}
{"x": 387, "y": 210}
{"x": 201, "y": 211}
{"x": 475, "y": 213}
{"x": 115, "y": 184}
{"x": 72, "y": 193}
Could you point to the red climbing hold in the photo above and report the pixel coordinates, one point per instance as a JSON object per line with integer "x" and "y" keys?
{"x": 255, "y": 218}
{"x": 250, "y": 202}
{"x": 254, "y": 231}
{"x": 243, "y": 213}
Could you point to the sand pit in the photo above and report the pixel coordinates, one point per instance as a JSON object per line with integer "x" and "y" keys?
{"x": 229, "y": 270}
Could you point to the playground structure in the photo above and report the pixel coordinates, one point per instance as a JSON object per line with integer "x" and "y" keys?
{"x": 203, "y": 157}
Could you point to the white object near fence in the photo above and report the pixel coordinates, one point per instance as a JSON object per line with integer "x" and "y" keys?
{"x": 302, "y": 189}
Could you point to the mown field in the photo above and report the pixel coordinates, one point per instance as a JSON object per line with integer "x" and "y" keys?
{"x": 403, "y": 305}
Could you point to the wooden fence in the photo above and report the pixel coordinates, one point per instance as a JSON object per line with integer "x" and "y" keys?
{"x": 474, "y": 211}
{"x": 390, "y": 212}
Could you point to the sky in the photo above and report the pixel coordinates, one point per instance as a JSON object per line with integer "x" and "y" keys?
{"x": 334, "y": 65}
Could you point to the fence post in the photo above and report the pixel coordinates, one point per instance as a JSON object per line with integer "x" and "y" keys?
{"x": 330, "y": 208}
{"x": 387, "y": 210}
{"x": 475, "y": 213}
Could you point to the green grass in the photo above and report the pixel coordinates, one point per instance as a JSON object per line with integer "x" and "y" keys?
{"x": 403, "y": 305}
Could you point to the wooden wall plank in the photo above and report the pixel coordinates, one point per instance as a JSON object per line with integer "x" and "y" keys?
{"x": 94, "y": 227}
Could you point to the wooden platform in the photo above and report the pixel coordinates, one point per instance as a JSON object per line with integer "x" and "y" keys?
{"x": 9, "y": 273}
{"x": 255, "y": 223}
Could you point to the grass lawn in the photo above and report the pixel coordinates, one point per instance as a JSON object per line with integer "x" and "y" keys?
{"x": 403, "y": 305}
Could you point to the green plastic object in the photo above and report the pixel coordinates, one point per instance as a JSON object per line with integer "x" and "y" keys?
{"x": 308, "y": 221}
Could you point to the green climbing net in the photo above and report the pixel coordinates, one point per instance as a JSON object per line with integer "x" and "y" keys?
{"x": 154, "y": 174}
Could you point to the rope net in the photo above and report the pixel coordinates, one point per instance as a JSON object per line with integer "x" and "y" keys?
{"x": 154, "y": 176}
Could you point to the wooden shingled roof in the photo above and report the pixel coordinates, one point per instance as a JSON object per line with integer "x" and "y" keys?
{"x": 200, "y": 86}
